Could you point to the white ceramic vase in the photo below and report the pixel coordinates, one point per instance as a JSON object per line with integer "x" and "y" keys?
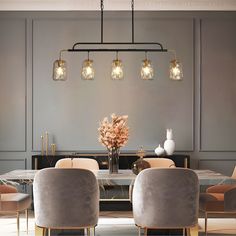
{"x": 159, "y": 150}
{"x": 169, "y": 144}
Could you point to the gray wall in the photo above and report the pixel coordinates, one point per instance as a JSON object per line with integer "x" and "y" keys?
{"x": 201, "y": 109}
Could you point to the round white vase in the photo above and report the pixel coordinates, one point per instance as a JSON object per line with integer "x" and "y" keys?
{"x": 169, "y": 146}
{"x": 159, "y": 150}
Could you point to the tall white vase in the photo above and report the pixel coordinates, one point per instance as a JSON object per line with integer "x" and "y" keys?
{"x": 169, "y": 144}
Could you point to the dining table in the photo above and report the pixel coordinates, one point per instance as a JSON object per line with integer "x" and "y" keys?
{"x": 122, "y": 178}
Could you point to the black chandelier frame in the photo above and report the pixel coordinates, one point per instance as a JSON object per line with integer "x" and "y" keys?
{"x": 156, "y": 46}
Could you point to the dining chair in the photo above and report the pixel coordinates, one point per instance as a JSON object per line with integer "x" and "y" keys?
{"x": 11, "y": 201}
{"x": 219, "y": 199}
{"x": 160, "y": 162}
{"x": 82, "y": 163}
{"x": 166, "y": 198}
{"x": 65, "y": 199}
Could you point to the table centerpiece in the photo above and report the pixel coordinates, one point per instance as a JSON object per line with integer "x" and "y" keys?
{"x": 113, "y": 135}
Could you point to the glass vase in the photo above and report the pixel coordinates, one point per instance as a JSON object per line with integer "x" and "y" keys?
{"x": 113, "y": 160}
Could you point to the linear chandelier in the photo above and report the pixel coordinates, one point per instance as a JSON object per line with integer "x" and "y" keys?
{"x": 117, "y": 71}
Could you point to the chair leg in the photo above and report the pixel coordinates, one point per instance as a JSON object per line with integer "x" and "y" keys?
{"x": 88, "y": 231}
{"x": 194, "y": 230}
{"x": 39, "y": 231}
{"x": 206, "y": 223}
{"x": 27, "y": 221}
{"x": 49, "y": 232}
{"x": 183, "y": 231}
{"x": 139, "y": 231}
{"x": 145, "y": 231}
{"x": 18, "y": 222}
{"x": 94, "y": 231}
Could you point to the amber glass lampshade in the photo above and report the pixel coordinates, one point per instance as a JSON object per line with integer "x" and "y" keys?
{"x": 176, "y": 70}
{"x": 59, "y": 70}
{"x": 147, "y": 71}
{"x": 117, "y": 70}
{"x": 87, "y": 70}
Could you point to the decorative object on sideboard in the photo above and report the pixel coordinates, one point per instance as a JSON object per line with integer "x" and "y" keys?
{"x": 160, "y": 151}
{"x": 53, "y": 149}
{"x": 46, "y": 142}
{"x": 42, "y": 145}
{"x": 169, "y": 144}
{"x": 140, "y": 164}
{"x": 132, "y": 46}
{"x": 113, "y": 135}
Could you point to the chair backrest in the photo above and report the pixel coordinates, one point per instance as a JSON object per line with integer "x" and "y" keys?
{"x": 66, "y": 198}
{"x": 7, "y": 189}
{"x": 160, "y": 162}
{"x": 234, "y": 173}
{"x": 82, "y": 163}
{"x": 166, "y": 198}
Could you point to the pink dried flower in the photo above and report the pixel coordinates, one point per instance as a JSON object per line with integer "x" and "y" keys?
{"x": 114, "y": 134}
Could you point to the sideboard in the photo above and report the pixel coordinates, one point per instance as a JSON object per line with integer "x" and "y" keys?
{"x": 125, "y": 160}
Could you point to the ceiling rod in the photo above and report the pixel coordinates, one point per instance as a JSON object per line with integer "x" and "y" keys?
{"x": 75, "y": 47}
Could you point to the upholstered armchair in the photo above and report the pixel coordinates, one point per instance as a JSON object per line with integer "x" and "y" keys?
{"x": 11, "y": 201}
{"x": 166, "y": 198}
{"x": 82, "y": 163}
{"x": 219, "y": 199}
{"x": 160, "y": 162}
{"x": 65, "y": 199}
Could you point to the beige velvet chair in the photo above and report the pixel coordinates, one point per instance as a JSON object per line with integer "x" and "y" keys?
{"x": 82, "y": 163}
{"x": 12, "y": 201}
{"x": 219, "y": 199}
{"x": 160, "y": 162}
{"x": 65, "y": 199}
{"x": 166, "y": 198}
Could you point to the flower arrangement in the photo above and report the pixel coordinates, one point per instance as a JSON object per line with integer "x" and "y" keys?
{"x": 114, "y": 134}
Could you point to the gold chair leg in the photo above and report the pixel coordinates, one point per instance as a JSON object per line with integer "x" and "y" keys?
{"x": 18, "y": 222}
{"x": 94, "y": 231}
{"x": 194, "y": 230}
{"x": 88, "y": 231}
{"x": 49, "y": 232}
{"x": 139, "y": 231}
{"x": 39, "y": 231}
{"x": 206, "y": 223}
{"x": 27, "y": 221}
{"x": 145, "y": 231}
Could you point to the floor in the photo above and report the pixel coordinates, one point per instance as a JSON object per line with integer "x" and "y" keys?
{"x": 117, "y": 224}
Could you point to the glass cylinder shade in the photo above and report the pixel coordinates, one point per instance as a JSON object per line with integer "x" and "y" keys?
{"x": 147, "y": 71}
{"x": 87, "y": 70}
{"x": 176, "y": 70}
{"x": 117, "y": 70}
{"x": 59, "y": 70}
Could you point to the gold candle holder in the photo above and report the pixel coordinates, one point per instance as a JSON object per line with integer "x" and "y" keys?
{"x": 46, "y": 142}
{"x": 42, "y": 145}
{"x": 53, "y": 149}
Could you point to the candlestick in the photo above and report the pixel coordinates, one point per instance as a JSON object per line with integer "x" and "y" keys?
{"x": 42, "y": 145}
{"x": 46, "y": 143}
{"x": 53, "y": 149}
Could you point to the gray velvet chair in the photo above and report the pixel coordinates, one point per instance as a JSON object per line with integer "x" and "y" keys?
{"x": 65, "y": 199}
{"x": 11, "y": 201}
{"x": 166, "y": 198}
{"x": 219, "y": 199}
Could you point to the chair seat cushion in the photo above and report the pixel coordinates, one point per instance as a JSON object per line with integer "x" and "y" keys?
{"x": 14, "y": 202}
{"x": 211, "y": 202}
